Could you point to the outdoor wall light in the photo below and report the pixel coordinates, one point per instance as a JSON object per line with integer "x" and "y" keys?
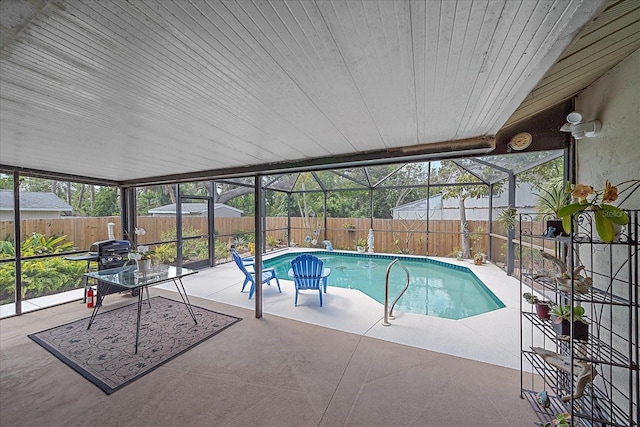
{"x": 581, "y": 130}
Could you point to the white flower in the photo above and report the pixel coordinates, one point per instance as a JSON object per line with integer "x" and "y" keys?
{"x": 134, "y": 256}
{"x": 140, "y": 231}
{"x": 143, "y": 249}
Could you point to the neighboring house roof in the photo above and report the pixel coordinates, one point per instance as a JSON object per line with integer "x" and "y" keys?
{"x": 32, "y": 201}
{"x": 435, "y": 202}
{"x": 191, "y": 208}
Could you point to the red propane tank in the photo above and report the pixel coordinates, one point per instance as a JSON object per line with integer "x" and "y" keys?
{"x": 90, "y": 298}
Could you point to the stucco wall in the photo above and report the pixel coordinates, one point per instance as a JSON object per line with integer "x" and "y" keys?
{"x": 615, "y": 153}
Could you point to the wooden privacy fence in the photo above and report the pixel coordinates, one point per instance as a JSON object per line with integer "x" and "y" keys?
{"x": 391, "y": 235}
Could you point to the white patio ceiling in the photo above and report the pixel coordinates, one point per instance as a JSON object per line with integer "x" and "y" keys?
{"x": 124, "y": 90}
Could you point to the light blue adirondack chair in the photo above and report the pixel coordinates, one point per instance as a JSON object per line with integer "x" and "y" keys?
{"x": 268, "y": 274}
{"x": 308, "y": 273}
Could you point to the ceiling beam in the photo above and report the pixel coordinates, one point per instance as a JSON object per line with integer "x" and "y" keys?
{"x": 441, "y": 150}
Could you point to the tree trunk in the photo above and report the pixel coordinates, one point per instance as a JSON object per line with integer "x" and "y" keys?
{"x": 69, "y": 201}
{"x": 466, "y": 253}
{"x": 80, "y": 197}
{"x": 168, "y": 189}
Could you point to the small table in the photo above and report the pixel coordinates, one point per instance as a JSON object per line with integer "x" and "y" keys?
{"x": 129, "y": 278}
{"x": 325, "y": 274}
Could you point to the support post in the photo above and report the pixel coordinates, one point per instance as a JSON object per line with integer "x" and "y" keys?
{"x": 17, "y": 243}
{"x": 511, "y": 232}
{"x": 257, "y": 256}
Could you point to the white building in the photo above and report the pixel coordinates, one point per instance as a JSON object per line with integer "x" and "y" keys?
{"x": 475, "y": 209}
{"x": 197, "y": 209}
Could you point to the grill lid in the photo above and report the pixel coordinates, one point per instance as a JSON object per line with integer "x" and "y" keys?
{"x": 110, "y": 247}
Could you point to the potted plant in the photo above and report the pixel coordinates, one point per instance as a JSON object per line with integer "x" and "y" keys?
{"x": 507, "y": 218}
{"x": 141, "y": 253}
{"x": 561, "y": 315}
{"x": 606, "y": 217}
{"x": 551, "y": 199}
{"x": 361, "y": 244}
{"x": 562, "y": 419}
{"x": 142, "y": 256}
{"x": 478, "y": 258}
{"x": 543, "y": 308}
{"x": 349, "y": 226}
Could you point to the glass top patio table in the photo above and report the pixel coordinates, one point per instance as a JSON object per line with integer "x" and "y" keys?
{"x": 130, "y": 277}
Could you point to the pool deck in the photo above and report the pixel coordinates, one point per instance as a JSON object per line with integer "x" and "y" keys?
{"x": 492, "y": 337}
{"x": 293, "y": 367}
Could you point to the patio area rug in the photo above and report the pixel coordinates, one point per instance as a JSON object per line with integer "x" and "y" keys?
{"x": 105, "y": 354}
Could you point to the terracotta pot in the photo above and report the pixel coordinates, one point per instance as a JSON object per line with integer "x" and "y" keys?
{"x": 543, "y": 311}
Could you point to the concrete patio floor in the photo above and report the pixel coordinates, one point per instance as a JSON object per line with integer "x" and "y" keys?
{"x": 296, "y": 366}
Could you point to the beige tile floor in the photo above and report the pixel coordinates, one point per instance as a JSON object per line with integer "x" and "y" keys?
{"x": 296, "y": 366}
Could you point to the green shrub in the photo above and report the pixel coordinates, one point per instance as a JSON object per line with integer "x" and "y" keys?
{"x": 41, "y": 277}
{"x": 191, "y": 249}
{"x": 36, "y": 244}
{"x": 166, "y": 254}
{"x": 222, "y": 250}
{"x": 7, "y": 282}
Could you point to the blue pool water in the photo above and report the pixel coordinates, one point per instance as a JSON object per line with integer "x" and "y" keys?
{"x": 436, "y": 288}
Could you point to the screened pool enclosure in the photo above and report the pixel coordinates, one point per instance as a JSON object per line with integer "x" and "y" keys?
{"x": 444, "y": 208}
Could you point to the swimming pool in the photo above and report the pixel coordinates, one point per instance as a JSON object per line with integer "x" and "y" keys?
{"x": 436, "y": 288}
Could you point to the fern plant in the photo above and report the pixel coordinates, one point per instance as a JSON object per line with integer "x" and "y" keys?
{"x": 552, "y": 198}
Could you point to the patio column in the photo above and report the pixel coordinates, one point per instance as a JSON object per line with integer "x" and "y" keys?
{"x": 288, "y": 220}
{"x": 17, "y": 243}
{"x": 127, "y": 213}
{"x": 325, "y": 237}
{"x": 511, "y": 232}
{"x": 178, "y": 226}
{"x": 257, "y": 256}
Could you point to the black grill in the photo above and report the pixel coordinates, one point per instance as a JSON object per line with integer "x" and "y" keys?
{"x": 110, "y": 254}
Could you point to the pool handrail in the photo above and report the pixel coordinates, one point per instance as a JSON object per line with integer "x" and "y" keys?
{"x": 388, "y": 313}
